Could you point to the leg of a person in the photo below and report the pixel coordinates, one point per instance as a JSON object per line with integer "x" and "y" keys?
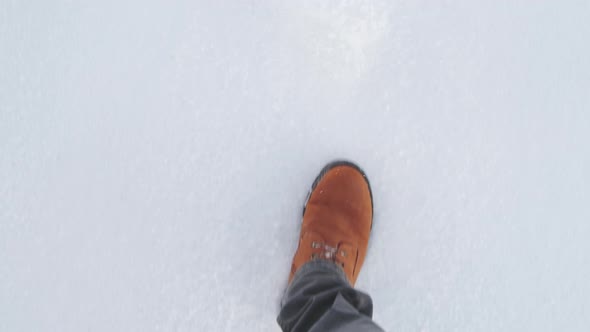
{"x": 320, "y": 299}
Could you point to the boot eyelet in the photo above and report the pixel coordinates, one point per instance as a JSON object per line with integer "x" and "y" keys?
{"x": 316, "y": 245}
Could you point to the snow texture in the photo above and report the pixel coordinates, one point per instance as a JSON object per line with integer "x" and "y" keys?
{"x": 155, "y": 157}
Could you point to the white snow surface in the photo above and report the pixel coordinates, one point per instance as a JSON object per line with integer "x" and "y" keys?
{"x": 155, "y": 157}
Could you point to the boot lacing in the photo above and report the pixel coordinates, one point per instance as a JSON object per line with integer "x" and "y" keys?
{"x": 328, "y": 253}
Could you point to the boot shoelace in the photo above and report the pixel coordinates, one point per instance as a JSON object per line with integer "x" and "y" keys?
{"x": 328, "y": 253}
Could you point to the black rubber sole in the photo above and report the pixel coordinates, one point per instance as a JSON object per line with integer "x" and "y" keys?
{"x": 327, "y": 168}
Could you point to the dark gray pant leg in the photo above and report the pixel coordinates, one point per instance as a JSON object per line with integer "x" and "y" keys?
{"x": 321, "y": 299}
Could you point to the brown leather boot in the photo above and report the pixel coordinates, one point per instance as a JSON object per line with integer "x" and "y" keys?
{"x": 337, "y": 219}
